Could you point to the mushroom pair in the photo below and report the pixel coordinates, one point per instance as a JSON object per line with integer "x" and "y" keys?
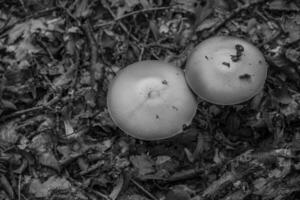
{"x": 151, "y": 100}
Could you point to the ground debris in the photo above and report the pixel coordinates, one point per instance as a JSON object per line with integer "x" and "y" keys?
{"x": 57, "y": 140}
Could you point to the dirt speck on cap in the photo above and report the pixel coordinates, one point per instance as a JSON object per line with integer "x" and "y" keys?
{"x": 245, "y": 77}
{"x": 175, "y": 108}
{"x": 226, "y": 64}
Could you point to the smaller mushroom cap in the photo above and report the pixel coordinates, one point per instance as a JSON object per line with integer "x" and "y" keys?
{"x": 150, "y": 100}
{"x": 226, "y": 70}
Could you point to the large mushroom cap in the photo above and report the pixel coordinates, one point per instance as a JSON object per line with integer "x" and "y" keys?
{"x": 226, "y": 70}
{"x": 150, "y": 100}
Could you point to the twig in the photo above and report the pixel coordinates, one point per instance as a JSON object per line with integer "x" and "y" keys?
{"x": 143, "y": 10}
{"x": 186, "y": 174}
{"x": 72, "y": 158}
{"x": 77, "y": 63}
{"x": 45, "y": 47}
{"x": 4, "y": 27}
{"x": 93, "y": 60}
{"x": 143, "y": 189}
{"x": 238, "y": 195}
{"x": 121, "y": 24}
{"x": 35, "y": 15}
{"x": 225, "y": 180}
{"x": 101, "y": 195}
{"x": 6, "y": 186}
{"x": 267, "y": 18}
{"x": 19, "y": 187}
{"x": 21, "y": 112}
{"x": 42, "y": 13}
{"x": 143, "y": 47}
{"x": 131, "y": 14}
{"x": 115, "y": 19}
{"x": 91, "y": 169}
{"x": 67, "y": 11}
{"x": 23, "y": 6}
{"x": 235, "y": 12}
{"x": 117, "y": 189}
{"x": 161, "y": 45}
{"x": 86, "y": 190}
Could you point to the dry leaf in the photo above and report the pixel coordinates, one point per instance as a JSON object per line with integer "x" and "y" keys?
{"x": 43, "y": 190}
{"x": 143, "y": 163}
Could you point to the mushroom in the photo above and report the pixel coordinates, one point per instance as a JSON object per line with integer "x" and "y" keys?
{"x": 226, "y": 70}
{"x": 150, "y": 100}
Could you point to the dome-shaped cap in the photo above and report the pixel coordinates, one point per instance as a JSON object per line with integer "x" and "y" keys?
{"x": 150, "y": 100}
{"x": 226, "y": 70}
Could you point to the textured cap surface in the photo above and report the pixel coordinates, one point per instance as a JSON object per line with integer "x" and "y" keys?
{"x": 226, "y": 70}
{"x": 150, "y": 100}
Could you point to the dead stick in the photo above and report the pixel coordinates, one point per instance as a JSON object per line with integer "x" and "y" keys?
{"x": 93, "y": 60}
{"x": 232, "y": 15}
{"x": 121, "y": 24}
{"x": 143, "y": 189}
{"x": 131, "y": 14}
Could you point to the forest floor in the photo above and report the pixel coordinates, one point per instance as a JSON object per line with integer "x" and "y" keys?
{"x": 57, "y": 139}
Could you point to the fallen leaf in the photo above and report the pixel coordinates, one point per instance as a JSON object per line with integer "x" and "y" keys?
{"x": 134, "y": 197}
{"x": 143, "y": 163}
{"x": 178, "y": 194}
{"x": 117, "y": 189}
{"x": 162, "y": 159}
{"x": 203, "y": 11}
{"x": 122, "y": 6}
{"x": 291, "y": 25}
{"x": 82, "y": 9}
{"x": 65, "y": 78}
{"x": 283, "y": 5}
{"x": 48, "y": 159}
{"x": 8, "y": 132}
{"x": 293, "y": 54}
{"x": 259, "y": 183}
{"x": 291, "y": 109}
{"x": 7, "y": 105}
{"x": 66, "y": 151}
{"x": 40, "y": 143}
{"x": 25, "y": 29}
{"x": 282, "y": 96}
{"x": 189, "y": 155}
{"x": 207, "y": 24}
{"x": 42, "y": 190}
{"x": 186, "y": 5}
{"x": 22, "y": 49}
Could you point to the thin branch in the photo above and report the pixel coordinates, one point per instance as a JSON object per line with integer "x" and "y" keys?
{"x": 21, "y": 112}
{"x": 100, "y": 194}
{"x": 131, "y": 14}
{"x": 42, "y": 13}
{"x": 93, "y": 60}
{"x": 232, "y": 15}
{"x": 143, "y": 189}
{"x": 143, "y": 47}
{"x": 121, "y": 24}
{"x": 23, "y": 6}
{"x": 47, "y": 11}
{"x": 45, "y": 47}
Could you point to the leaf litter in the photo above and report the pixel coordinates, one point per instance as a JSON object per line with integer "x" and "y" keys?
{"x": 57, "y": 140}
